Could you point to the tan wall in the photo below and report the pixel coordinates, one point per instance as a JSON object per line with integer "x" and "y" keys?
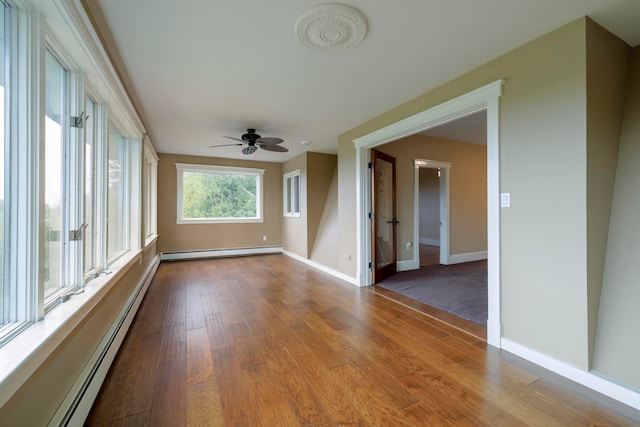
{"x": 429, "y": 204}
{"x": 294, "y": 229}
{"x": 468, "y": 190}
{"x": 324, "y": 248}
{"x": 617, "y": 349}
{"x": 36, "y": 402}
{"x": 543, "y": 166}
{"x": 186, "y": 237}
{"x": 314, "y": 234}
{"x": 607, "y": 64}
{"x": 320, "y": 171}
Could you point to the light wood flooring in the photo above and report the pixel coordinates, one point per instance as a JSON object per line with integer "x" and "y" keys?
{"x": 268, "y": 341}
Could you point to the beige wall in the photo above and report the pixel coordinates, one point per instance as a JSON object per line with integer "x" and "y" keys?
{"x": 324, "y": 248}
{"x": 468, "y": 190}
{"x": 314, "y": 234}
{"x": 294, "y": 229}
{"x": 543, "y": 166}
{"x": 607, "y": 64}
{"x": 36, "y": 402}
{"x": 617, "y": 349}
{"x": 186, "y": 237}
{"x": 320, "y": 171}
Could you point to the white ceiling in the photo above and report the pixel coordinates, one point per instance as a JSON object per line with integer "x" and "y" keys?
{"x": 201, "y": 69}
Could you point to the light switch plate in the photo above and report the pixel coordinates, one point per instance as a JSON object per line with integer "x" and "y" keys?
{"x": 505, "y": 200}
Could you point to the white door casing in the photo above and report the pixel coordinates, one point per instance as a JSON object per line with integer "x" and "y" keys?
{"x": 484, "y": 98}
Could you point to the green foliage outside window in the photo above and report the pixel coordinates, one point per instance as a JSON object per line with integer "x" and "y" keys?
{"x": 219, "y": 195}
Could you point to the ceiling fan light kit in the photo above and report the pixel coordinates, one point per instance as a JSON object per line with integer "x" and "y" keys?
{"x": 331, "y": 27}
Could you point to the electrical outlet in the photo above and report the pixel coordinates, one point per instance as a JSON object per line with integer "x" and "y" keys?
{"x": 264, "y": 238}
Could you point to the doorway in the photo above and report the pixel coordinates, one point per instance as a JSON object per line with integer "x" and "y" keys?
{"x": 484, "y": 98}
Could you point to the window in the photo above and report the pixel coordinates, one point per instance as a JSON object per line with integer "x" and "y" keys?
{"x": 61, "y": 177}
{"x": 54, "y": 209}
{"x": 150, "y": 172}
{"x": 3, "y": 148}
{"x": 116, "y": 195}
{"x": 209, "y": 194}
{"x": 93, "y": 224}
{"x": 291, "y": 193}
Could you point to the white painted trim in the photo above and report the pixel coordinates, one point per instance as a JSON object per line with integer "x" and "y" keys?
{"x": 219, "y": 253}
{"x": 454, "y": 109}
{"x": 467, "y": 257}
{"x": 430, "y": 242}
{"x": 322, "y": 268}
{"x": 587, "y": 379}
{"x": 407, "y": 265}
{"x": 76, "y": 406}
{"x": 444, "y": 197}
{"x": 484, "y": 98}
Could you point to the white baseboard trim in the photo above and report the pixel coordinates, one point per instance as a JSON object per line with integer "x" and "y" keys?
{"x": 76, "y": 406}
{"x": 411, "y": 264}
{"x": 219, "y": 253}
{"x": 323, "y": 268}
{"x": 467, "y": 257}
{"x": 587, "y": 379}
{"x": 427, "y": 241}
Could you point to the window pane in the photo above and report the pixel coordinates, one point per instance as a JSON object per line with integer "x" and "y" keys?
{"x": 219, "y": 195}
{"x": 3, "y": 52}
{"x": 116, "y": 196}
{"x": 296, "y": 194}
{"x": 89, "y": 188}
{"x": 53, "y": 161}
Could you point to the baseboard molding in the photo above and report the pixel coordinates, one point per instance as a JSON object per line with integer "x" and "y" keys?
{"x": 427, "y": 241}
{"x": 323, "y": 268}
{"x": 594, "y": 382}
{"x": 411, "y": 264}
{"x": 467, "y": 257}
{"x": 219, "y": 253}
{"x": 76, "y": 406}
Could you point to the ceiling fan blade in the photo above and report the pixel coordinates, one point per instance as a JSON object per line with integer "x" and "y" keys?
{"x": 270, "y": 141}
{"x": 249, "y": 149}
{"x": 278, "y": 148}
{"x": 224, "y": 145}
{"x": 236, "y": 139}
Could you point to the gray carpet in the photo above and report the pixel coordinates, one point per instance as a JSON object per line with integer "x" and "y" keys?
{"x": 460, "y": 289}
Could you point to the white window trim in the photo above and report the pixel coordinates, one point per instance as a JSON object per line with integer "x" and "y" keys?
{"x": 285, "y": 193}
{"x": 150, "y": 178}
{"x": 186, "y": 167}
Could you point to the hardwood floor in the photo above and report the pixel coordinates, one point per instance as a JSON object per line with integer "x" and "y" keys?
{"x": 268, "y": 341}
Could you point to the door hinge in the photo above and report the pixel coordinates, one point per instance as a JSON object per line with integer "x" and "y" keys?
{"x": 370, "y": 165}
{"x": 370, "y": 215}
{"x": 370, "y": 265}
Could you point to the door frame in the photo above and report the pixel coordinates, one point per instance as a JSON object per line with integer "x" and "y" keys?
{"x": 484, "y": 98}
{"x": 445, "y": 172}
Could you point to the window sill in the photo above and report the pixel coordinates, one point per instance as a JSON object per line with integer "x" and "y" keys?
{"x": 24, "y": 354}
{"x": 148, "y": 243}
{"x": 219, "y": 221}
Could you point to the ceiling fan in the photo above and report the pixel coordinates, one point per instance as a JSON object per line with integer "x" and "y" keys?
{"x": 252, "y": 141}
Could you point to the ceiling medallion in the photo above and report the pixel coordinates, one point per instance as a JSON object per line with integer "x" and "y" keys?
{"x": 331, "y": 28}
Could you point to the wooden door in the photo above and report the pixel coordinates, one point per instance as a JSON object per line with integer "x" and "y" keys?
{"x": 384, "y": 222}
